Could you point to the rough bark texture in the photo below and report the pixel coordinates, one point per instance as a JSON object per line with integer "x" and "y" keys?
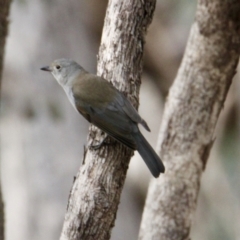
{"x": 191, "y": 112}
{"x": 96, "y": 191}
{"x": 4, "y": 10}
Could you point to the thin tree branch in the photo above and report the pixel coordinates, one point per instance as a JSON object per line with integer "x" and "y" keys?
{"x": 95, "y": 195}
{"x": 191, "y": 113}
{"x": 2, "y": 219}
{"x": 4, "y": 10}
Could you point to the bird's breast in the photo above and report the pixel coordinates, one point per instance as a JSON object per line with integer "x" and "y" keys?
{"x": 70, "y": 96}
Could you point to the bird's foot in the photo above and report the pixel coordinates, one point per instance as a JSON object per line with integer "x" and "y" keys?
{"x": 99, "y": 145}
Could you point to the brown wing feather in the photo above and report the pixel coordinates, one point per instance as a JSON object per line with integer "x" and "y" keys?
{"x": 116, "y": 125}
{"x": 104, "y": 106}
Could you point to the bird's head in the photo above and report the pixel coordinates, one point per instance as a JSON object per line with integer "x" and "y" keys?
{"x": 64, "y": 70}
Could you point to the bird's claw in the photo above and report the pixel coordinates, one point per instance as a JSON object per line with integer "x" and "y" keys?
{"x": 99, "y": 145}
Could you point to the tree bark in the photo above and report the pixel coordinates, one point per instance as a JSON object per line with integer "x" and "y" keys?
{"x": 4, "y": 10}
{"x": 191, "y": 112}
{"x": 95, "y": 195}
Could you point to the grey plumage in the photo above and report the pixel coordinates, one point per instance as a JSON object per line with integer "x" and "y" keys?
{"x": 105, "y": 107}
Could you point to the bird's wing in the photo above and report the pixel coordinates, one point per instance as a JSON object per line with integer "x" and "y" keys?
{"x": 116, "y": 123}
{"x": 107, "y": 108}
{"x": 130, "y": 110}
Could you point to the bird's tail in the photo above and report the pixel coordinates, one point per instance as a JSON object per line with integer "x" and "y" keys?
{"x": 149, "y": 156}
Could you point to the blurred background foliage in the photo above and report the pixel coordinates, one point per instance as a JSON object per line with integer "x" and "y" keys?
{"x": 42, "y": 138}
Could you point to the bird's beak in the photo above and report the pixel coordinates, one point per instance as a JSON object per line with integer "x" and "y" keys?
{"x": 47, "y": 68}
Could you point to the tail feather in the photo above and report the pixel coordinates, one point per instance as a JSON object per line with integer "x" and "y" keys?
{"x": 149, "y": 156}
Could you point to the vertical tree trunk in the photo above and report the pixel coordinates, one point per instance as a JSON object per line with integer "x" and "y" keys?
{"x": 4, "y": 10}
{"x": 191, "y": 112}
{"x": 95, "y": 195}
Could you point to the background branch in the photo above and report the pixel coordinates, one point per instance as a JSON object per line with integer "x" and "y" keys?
{"x": 96, "y": 191}
{"x": 4, "y": 10}
{"x": 191, "y": 113}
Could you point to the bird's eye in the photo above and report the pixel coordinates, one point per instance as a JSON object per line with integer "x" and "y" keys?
{"x": 58, "y": 67}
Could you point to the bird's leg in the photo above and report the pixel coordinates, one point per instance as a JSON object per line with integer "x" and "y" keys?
{"x": 97, "y": 146}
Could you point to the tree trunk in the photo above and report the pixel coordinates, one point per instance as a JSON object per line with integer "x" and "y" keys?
{"x": 95, "y": 195}
{"x": 4, "y": 10}
{"x": 191, "y": 112}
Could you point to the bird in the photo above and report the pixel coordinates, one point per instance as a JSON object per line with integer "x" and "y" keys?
{"x": 101, "y": 104}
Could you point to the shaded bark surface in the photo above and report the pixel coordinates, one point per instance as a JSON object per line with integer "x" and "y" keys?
{"x": 95, "y": 195}
{"x": 191, "y": 113}
{"x": 4, "y": 10}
